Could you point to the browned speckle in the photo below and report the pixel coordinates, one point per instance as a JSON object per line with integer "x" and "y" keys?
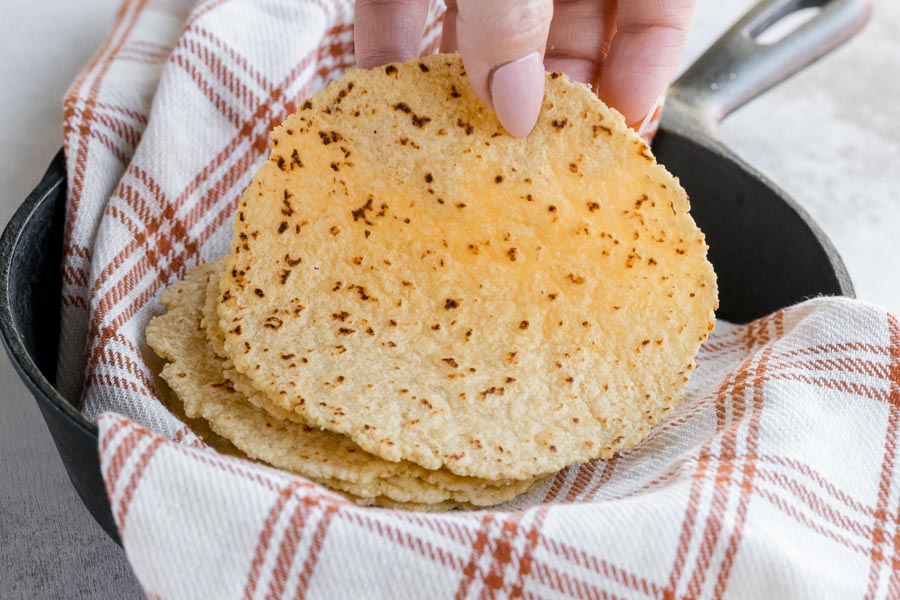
{"x": 328, "y": 137}
{"x": 466, "y": 126}
{"x": 293, "y": 262}
{"x": 295, "y": 159}
{"x": 493, "y": 390}
{"x": 363, "y": 294}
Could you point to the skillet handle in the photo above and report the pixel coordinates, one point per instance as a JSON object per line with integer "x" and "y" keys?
{"x": 737, "y": 68}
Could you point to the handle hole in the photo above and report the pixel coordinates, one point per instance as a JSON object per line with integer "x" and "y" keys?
{"x": 773, "y": 33}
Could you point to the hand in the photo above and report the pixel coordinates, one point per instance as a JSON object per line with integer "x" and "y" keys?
{"x": 627, "y": 49}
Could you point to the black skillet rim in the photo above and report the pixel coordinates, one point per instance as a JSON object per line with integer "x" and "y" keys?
{"x": 12, "y": 339}
{"x": 675, "y": 124}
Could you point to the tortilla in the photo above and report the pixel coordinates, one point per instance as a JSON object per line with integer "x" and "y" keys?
{"x": 407, "y": 274}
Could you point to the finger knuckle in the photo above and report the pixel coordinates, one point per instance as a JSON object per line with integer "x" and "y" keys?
{"x": 665, "y": 14}
{"x": 376, "y": 4}
{"x": 512, "y": 22}
{"x": 677, "y": 13}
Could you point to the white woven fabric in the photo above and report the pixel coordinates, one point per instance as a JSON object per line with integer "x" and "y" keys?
{"x": 776, "y": 478}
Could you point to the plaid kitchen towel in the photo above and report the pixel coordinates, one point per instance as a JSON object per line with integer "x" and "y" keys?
{"x": 776, "y": 478}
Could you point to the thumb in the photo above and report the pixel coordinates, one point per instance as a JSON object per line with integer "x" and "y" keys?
{"x": 502, "y": 46}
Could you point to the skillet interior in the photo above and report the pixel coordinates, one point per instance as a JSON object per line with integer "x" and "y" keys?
{"x": 767, "y": 252}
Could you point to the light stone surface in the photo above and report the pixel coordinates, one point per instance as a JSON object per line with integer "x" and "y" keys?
{"x": 830, "y": 137}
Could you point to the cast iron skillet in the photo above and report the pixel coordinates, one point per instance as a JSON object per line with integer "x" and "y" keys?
{"x": 766, "y": 250}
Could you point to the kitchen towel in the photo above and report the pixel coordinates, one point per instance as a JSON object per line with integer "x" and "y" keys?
{"x": 776, "y": 478}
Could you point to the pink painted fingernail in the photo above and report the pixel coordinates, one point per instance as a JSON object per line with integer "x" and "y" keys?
{"x": 647, "y": 128}
{"x": 517, "y": 91}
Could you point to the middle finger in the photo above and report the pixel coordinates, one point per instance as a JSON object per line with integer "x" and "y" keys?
{"x": 579, "y": 39}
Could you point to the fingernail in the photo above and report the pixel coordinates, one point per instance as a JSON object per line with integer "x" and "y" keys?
{"x": 651, "y": 121}
{"x": 517, "y": 91}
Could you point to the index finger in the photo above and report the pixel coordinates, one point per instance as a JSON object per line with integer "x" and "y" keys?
{"x": 386, "y": 31}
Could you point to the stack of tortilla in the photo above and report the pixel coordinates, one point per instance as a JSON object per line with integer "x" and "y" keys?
{"x": 421, "y": 311}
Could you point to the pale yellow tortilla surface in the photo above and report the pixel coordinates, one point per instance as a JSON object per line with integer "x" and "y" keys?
{"x": 408, "y": 275}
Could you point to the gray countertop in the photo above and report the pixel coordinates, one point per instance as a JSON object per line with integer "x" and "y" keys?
{"x": 830, "y": 137}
